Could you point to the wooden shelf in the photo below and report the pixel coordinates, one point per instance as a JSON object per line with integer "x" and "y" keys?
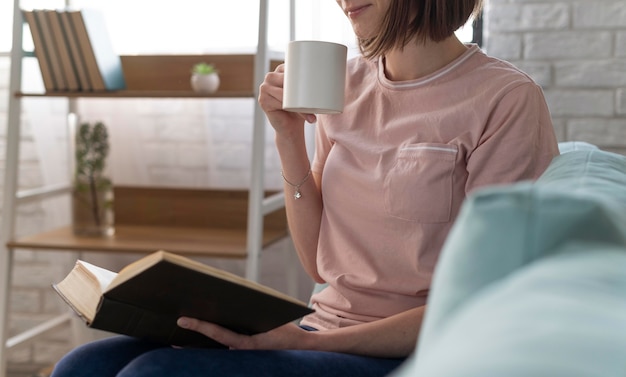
{"x": 141, "y": 94}
{"x": 168, "y": 76}
{"x": 213, "y": 242}
{"x": 187, "y": 221}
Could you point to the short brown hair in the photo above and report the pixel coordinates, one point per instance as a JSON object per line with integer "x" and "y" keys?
{"x": 434, "y": 19}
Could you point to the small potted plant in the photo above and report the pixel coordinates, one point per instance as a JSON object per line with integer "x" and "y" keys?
{"x": 204, "y": 78}
{"x": 92, "y": 194}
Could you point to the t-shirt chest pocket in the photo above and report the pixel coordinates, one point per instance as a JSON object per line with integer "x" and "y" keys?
{"x": 419, "y": 185}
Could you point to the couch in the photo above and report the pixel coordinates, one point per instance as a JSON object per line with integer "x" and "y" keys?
{"x": 532, "y": 278}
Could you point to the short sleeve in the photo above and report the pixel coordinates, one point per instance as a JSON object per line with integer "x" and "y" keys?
{"x": 518, "y": 142}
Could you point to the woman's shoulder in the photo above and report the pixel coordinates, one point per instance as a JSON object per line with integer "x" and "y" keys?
{"x": 487, "y": 67}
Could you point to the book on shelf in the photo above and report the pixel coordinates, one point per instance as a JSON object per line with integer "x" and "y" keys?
{"x": 103, "y": 64}
{"x": 146, "y": 298}
{"x": 74, "y": 49}
{"x": 53, "y": 54}
{"x": 62, "y": 48}
{"x": 41, "y": 52}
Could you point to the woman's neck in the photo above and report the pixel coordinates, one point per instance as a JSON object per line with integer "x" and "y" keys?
{"x": 415, "y": 61}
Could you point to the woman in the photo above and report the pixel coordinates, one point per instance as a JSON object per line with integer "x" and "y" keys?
{"x": 427, "y": 120}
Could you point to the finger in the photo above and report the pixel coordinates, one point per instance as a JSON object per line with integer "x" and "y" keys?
{"x": 210, "y": 330}
{"x": 271, "y": 101}
{"x": 274, "y": 79}
{"x": 273, "y": 92}
{"x": 311, "y": 118}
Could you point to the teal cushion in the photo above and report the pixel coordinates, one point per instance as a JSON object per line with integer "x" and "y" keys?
{"x": 580, "y": 198}
{"x": 568, "y": 146}
{"x": 589, "y": 174}
{"x": 562, "y": 316}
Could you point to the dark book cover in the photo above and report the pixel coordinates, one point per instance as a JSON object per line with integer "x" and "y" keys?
{"x": 121, "y": 318}
{"x": 147, "y": 305}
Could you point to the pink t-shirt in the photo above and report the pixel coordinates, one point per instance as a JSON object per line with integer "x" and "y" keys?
{"x": 398, "y": 163}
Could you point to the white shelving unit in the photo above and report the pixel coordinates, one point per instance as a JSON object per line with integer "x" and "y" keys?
{"x": 258, "y": 204}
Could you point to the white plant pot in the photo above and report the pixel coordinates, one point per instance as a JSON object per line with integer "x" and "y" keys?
{"x": 205, "y": 83}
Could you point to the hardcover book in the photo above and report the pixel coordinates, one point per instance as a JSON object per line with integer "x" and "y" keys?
{"x": 103, "y": 64}
{"x": 53, "y": 54}
{"x": 62, "y": 48}
{"x": 74, "y": 49}
{"x": 41, "y": 52}
{"x": 145, "y": 299}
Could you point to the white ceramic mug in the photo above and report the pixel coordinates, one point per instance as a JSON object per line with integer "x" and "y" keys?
{"x": 315, "y": 75}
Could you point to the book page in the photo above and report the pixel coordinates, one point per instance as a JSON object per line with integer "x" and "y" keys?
{"x": 82, "y": 288}
{"x": 101, "y": 275}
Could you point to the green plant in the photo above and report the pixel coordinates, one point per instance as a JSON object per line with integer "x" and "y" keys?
{"x": 92, "y": 148}
{"x": 203, "y": 68}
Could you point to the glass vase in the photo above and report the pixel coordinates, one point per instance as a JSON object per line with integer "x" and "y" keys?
{"x": 92, "y": 208}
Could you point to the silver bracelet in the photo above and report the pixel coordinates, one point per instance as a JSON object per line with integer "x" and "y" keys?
{"x": 297, "y": 194}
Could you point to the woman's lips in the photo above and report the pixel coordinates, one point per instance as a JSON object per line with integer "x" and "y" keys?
{"x": 354, "y": 12}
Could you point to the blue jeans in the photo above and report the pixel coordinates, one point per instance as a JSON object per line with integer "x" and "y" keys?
{"x": 123, "y": 356}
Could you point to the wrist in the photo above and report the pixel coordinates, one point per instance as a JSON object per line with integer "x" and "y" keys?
{"x": 289, "y": 139}
{"x": 296, "y": 186}
{"x": 312, "y": 341}
{"x": 329, "y": 341}
{"x": 293, "y": 157}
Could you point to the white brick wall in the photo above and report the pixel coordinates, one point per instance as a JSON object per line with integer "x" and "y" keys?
{"x": 621, "y": 102}
{"x": 575, "y": 49}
